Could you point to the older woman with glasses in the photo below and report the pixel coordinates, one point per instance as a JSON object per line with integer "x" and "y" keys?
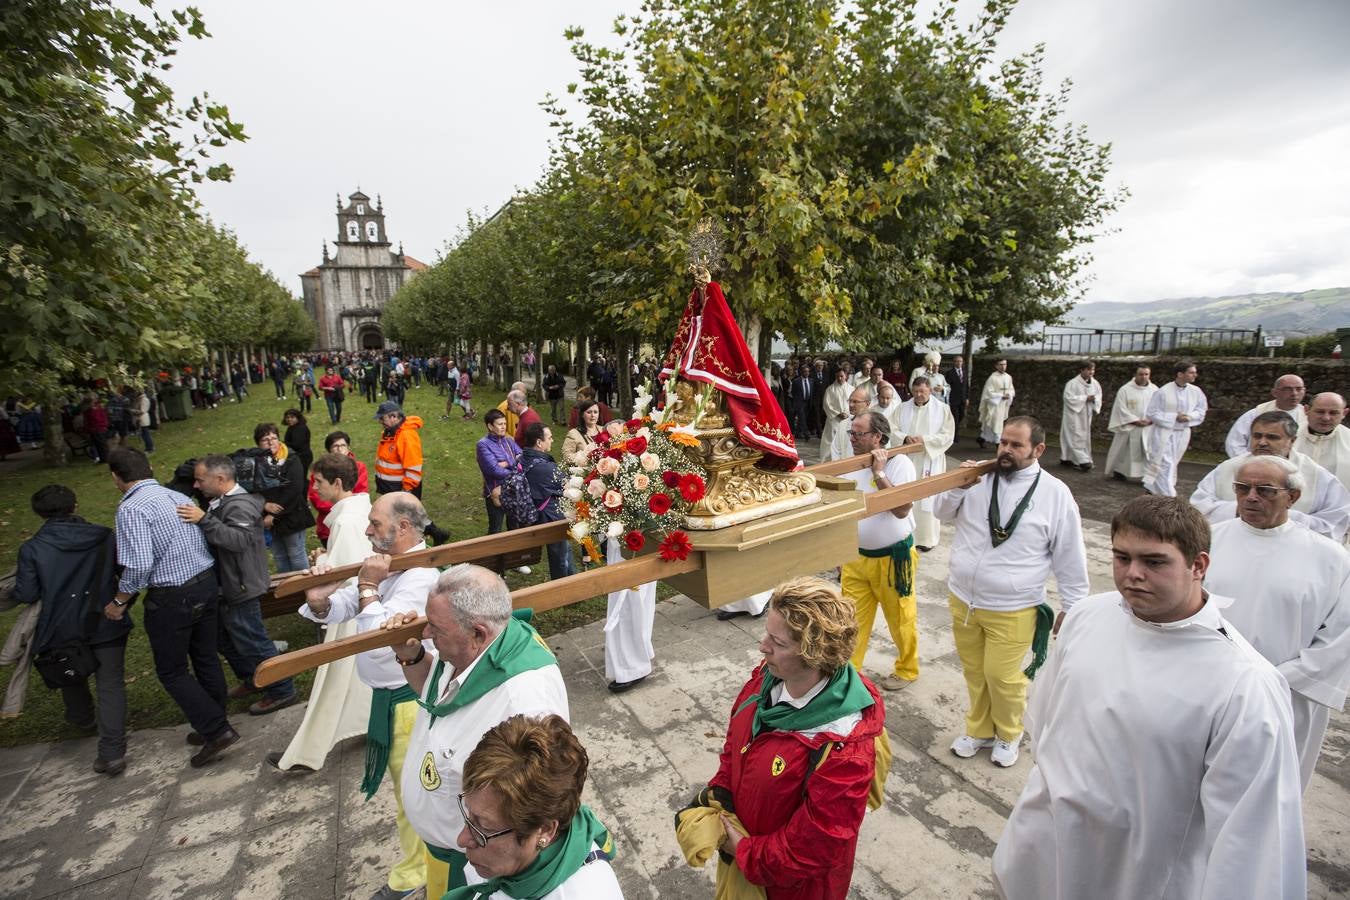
{"x": 526, "y": 832}
{"x": 801, "y": 750}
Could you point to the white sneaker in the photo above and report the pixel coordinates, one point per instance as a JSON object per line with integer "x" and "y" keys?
{"x": 524, "y": 570}
{"x": 1005, "y": 752}
{"x": 966, "y": 746}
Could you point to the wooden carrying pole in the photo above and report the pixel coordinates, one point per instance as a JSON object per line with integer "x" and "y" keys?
{"x": 553, "y": 594}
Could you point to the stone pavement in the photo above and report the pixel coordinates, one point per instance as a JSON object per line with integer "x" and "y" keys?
{"x": 240, "y": 829}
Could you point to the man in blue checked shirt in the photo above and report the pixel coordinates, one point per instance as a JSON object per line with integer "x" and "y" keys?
{"x": 169, "y": 560}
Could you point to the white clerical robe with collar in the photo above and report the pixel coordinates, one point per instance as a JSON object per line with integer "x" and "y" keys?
{"x": 834, "y": 443}
{"x": 629, "y": 618}
{"x": 1169, "y": 437}
{"x": 1081, "y": 401}
{"x": 339, "y": 702}
{"x": 994, "y": 405}
{"x": 1165, "y": 766}
{"x": 934, "y": 423}
{"x": 1129, "y": 448}
{"x": 1324, "y": 505}
{"x": 892, "y": 414}
{"x": 1239, "y": 439}
{"x": 1291, "y": 590}
{"x": 1330, "y": 451}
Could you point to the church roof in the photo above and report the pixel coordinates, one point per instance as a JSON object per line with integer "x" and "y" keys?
{"x": 315, "y": 272}
{"x": 415, "y": 264}
{"x": 357, "y": 196}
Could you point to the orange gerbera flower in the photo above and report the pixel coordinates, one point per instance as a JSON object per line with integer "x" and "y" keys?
{"x": 591, "y": 550}
{"x": 683, "y": 438}
{"x": 666, "y": 426}
{"x": 583, "y": 510}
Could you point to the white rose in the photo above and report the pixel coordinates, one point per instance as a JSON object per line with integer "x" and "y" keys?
{"x": 641, "y": 482}
{"x": 650, "y": 462}
{"x": 573, "y": 494}
{"x": 575, "y": 482}
{"x": 614, "y": 530}
{"x": 580, "y": 530}
{"x": 596, "y": 488}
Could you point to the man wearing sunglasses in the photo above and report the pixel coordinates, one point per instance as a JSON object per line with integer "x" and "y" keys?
{"x": 1291, "y": 590}
{"x": 1323, "y": 505}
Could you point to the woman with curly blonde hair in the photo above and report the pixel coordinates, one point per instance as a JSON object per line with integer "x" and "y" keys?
{"x": 800, "y": 750}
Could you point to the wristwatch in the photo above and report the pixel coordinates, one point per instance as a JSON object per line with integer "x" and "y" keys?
{"x": 368, "y": 592}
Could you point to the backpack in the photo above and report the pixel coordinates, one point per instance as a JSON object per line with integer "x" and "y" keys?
{"x": 256, "y": 471}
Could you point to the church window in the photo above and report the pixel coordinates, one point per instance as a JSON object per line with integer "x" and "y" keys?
{"x": 372, "y": 231}
{"x": 353, "y": 234}
{"x": 360, "y": 209}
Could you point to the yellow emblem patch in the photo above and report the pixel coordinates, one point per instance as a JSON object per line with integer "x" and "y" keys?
{"x": 431, "y": 779}
{"x": 779, "y": 764}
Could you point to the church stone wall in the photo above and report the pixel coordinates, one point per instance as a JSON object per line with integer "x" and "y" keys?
{"x": 1232, "y": 387}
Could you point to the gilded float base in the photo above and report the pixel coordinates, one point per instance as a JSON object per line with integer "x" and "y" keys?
{"x": 737, "y": 491}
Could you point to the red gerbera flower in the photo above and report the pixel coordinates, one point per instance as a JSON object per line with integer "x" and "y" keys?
{"x": 634, "y": 540}
{"x": 659, "y": 504}
{"x": 691, "y": 488}
{"x": 671, "y": 479}
{"x": 637, "y": 445}
{"x": 633, "y": 425}
{"x": 675, "y": 546}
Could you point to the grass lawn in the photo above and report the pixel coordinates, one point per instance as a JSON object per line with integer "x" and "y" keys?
{"x": 452, "y": 496}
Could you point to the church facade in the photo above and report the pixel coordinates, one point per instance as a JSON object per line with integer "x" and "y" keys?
{"x": 346, "y": 293}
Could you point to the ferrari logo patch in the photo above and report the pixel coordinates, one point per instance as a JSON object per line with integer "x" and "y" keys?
{"x": 778, "y": 766}
{"x": 431, "y": 779}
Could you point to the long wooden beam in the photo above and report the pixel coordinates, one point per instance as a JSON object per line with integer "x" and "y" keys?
{"x": 854, "y": 463}
{"x": 902, "y": 494}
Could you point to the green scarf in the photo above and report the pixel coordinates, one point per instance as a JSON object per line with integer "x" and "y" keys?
{"x": 555, "y": 863}
{"x": 902, "y": 563}
{"x": 844, "y": 693}
{"x": 519, "y": 648}
{"x": 998, "y": 532}
{"x": 1040, "y": 644}
{"x": 380, "y": 733}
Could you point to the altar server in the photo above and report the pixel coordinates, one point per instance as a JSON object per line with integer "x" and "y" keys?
{"x": 1081, "y": 401}
{"x": 1165, "y": 760}
{"x": 924, "y": 421}
{"x": 1291, "y": 590}
{"x": 1128, "y": 456}
{"x": 1174, "y": 410}
{"x": 1286, "y": 396}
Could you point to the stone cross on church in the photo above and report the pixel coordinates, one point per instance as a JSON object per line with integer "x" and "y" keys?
{"x": 346, "y": 293}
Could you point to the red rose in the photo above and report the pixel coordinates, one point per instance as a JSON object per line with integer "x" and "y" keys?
{"x": 614, "y": 453}
{"x": 637, "y": 445}
{"x": 633, "y": 425}
{"x": 634, "y": 540}
{"x": 675, "y": 546}
{"x": 691, "y": 488}
{"x": 602, "y": 437}
{"x": 659, "y": 504}
{"x": 672, "y": 479}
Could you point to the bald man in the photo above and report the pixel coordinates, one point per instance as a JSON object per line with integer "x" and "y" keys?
{"x": 1286, "y": 396}
{"x": 1324, "y": 438}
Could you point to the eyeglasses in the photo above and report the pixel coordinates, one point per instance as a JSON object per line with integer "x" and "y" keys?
{"x": 480, "y": 837}
{"x": 1264, "y": 491}
{"x": 859, "y": 435}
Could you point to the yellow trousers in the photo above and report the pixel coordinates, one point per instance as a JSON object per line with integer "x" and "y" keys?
{"x": 870, "y": 583}
{"x": 411, "y": 870}
{"x": 992, "y": 646}
{"x": 442, "y": 876}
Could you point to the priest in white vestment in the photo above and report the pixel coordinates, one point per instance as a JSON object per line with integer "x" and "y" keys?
{"x": 1323, "y": 505}
{"x": 1324, "y": 438}
{"x": 1286, "y": 396}
{"x": 923, "y": 421}
{"x": 1291, "y": 590}
{"x": 1174, "y": 410}
{"x": 834, "y": 432}
{"x": 888, "y": 404}
{"x": 1082, "y": 400}
{"x": 1128, "y": 456}
{"x": 1165, "y": 758}
{"x": 995, "y": 401}
{"x": 339, "y": 702}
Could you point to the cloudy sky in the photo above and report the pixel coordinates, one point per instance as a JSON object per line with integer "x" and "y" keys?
{"x": 1230, "y": 121}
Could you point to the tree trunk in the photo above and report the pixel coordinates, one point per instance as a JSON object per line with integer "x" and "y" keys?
{"x": 581, "y": 362}
{"x": 765, "y": 350}
{"x": 516, "y": 374}
{"x": 54, "y": 451}
{"x": 539, "y": 372}
{"x": 624, "y": 400}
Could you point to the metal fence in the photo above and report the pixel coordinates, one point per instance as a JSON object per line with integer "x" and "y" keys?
{"x": 1148, "y": 341}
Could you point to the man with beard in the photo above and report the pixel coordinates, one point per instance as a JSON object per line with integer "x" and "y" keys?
{"x": 1014, "y": 527}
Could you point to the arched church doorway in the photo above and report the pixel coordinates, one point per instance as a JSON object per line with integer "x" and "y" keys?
{"x": 370, "y": 338}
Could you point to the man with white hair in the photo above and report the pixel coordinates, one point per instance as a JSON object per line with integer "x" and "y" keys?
{"x": 396, "y": 523}
{"x": 1128, "y": 456}
{"x": 932, "y": 370}
{"x": 1291, "y": 590}
{"x": 995, "y": 401}
{"x": 512, "y": 416}
{"x": 1324, "y": 439}
{"x": 921, "y": 421}
{"x": 1323, "y": 504}
{"x": 1287, "y": 396}
{"x": 487, "y": 666}
{"x": 1174, "y": 410}
{"x": 1082, "y": 400}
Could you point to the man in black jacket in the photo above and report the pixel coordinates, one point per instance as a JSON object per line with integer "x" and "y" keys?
{"x": 554, "y": 387}
{"x": 958, "y": 389}
{"x": 68, "y": 565}
{"x": 232, "y": 526}
{"x": 545, "y": 489}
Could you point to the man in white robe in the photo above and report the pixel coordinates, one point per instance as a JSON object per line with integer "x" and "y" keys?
{"x": 1174, "y": 410}
{"x": 1287, "y": 396}
{"x": 1324, "y": 505}
{"x": 932, "y": 370}
{"x": 1081, "y": 401}
{"x": 888, "y": 404}
{"x": 339, "y": 701}
{"x": 923, "y": 421}
{"x": 995, "y": 401}
{"x": 834, "y": 432}
{"x": 1324, "y": 439}
{"x": 629, "y": 618}
{"x": 863, "y": 373}
{"x": 1164, "y": 745}
{"x": 1291, "y": 590}
{"x": 1128, "y": 456}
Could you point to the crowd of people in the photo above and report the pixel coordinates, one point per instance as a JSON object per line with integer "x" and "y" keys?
{"x": 1221, "y": 652}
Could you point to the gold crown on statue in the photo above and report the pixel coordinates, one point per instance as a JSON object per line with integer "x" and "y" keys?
{"x": 705, "y": 248}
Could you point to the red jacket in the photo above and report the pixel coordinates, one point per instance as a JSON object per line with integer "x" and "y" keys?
{"x": 526, "y": 418}
{"x": 798, "y": 848}
{"x": 322, "y": 508}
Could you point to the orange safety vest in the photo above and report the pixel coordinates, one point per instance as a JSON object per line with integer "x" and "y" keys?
{"x": 399, "y": 456}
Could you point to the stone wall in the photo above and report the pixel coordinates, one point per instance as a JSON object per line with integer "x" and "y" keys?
{"x": 1232, "y": 386}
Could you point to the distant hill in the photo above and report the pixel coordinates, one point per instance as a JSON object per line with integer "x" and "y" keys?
{"x": 1306, "y": 313}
